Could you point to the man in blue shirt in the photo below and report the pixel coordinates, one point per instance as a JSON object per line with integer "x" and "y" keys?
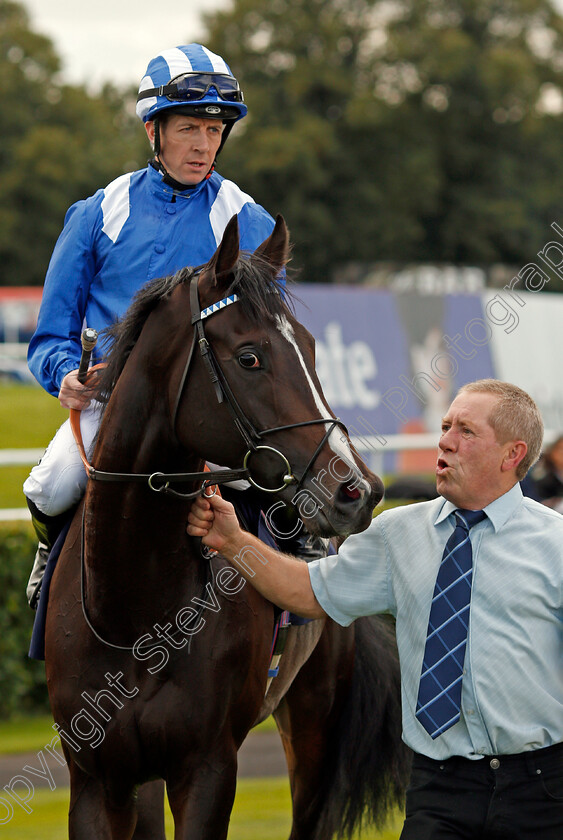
{"x": 144, "y": 225}
{"x": 496, "y": 770}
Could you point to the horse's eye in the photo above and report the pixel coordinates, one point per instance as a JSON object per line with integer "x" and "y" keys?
{"x": 249, "y": 360}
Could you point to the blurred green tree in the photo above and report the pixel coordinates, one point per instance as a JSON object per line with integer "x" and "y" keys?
{"x": 406, "y": 130}
{"x": 400, "y": 130}
{"x": 485, "y": 77}
{"x": 60, "y": 143}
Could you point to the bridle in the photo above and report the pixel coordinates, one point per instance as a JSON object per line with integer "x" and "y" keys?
{"x": 160, "y": 482}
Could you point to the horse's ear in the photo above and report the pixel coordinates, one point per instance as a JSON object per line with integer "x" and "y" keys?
{"x": 224, "y": 259}
{"x": 275, "y": 248}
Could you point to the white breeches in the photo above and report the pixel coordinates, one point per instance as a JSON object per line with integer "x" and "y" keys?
{"x": 58, "y": 481}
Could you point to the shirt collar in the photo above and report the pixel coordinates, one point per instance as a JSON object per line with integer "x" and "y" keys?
{"x": 498, "y": 511}
{"x": 161, "y": 188}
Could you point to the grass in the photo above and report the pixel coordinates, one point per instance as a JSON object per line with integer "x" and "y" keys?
{"x": 25, "y": 734}
{"x": 261, "y": 812}
{"x": 11, "y": 481}
{"x": 30, "y": 734}
{"x": 29, "y": 417}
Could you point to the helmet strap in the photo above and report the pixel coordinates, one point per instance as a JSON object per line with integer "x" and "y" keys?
{"x": 158, "y": 164}
{"x": 156, "y": 124}
{"x": 167, "y": 178}
{"x": 226, "y": 131}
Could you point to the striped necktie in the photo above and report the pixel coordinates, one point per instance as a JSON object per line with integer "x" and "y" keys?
{"x": 439, "y": 694}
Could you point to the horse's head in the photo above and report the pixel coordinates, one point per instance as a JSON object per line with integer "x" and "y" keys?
{"x": 257, "y": 366}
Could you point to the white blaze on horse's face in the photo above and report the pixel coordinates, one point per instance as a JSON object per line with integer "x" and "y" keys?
{"x": 336, "y": 439}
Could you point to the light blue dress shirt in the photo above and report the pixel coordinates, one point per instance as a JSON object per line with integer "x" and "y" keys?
{"x": 512, "y": 693}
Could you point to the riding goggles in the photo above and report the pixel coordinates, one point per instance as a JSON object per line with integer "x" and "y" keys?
{"x": 190, "y": 87}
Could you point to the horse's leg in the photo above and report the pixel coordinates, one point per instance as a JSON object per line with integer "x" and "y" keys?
{"x": 92, "y": 815}
{"x": 345, "y": 754}
{"x": 150, "y": 811}
{"x": 202, "y": 801}
{"x": 307, "y": 719}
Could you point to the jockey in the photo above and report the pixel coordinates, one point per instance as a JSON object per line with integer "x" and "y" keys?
{"x": 145, "y": 224}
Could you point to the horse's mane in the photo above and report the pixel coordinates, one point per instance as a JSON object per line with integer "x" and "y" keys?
{"x": 262, "y": 298}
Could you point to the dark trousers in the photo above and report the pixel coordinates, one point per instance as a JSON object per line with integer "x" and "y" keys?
{"x": 510, "y": 797}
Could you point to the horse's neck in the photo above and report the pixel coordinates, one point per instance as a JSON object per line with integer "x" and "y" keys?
{"x": 131, "y": 532}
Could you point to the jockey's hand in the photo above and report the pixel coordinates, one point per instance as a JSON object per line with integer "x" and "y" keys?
{"x": 74, "y": 394}
{"x": 215, "y": 521}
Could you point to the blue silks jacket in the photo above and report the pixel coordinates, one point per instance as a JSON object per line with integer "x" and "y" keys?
{"x": 134, "y": 230}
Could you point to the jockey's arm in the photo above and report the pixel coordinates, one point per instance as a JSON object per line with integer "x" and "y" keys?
{"x": 282, "y": 579}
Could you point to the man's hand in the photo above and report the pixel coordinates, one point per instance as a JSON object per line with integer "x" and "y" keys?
{"x": 281, "y": 579}
{"x": 73, "y": 394}
{"x": 214, "y": 520}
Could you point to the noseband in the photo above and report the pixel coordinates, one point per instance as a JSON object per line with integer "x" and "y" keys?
{"x": 253, "y": 438}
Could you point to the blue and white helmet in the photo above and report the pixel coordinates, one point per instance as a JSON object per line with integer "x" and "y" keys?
{"x": 194, "y": 79}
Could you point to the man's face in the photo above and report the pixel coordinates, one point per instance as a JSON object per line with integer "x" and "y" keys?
{"x": 188, "y": 146}
{"x": 469, "y": 469}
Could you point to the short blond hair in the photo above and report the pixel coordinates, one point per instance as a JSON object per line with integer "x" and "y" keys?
{"x": 515, "y": 416}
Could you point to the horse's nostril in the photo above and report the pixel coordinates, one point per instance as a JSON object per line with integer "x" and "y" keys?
{"x": 349, "y": 492}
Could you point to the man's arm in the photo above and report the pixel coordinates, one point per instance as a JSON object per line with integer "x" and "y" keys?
{"x": 280, "y": 578}
{"x": 54, "y": 350}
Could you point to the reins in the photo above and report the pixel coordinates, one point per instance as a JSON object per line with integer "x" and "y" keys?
{"x": 88, "y": 620}
{"x": 157, "y": 481}
{"x": 160, "y": 482}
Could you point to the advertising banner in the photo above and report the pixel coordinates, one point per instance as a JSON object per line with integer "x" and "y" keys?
{"x": 391, "y": 362}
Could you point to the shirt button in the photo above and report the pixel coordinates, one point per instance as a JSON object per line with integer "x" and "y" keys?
{"x": 160, "y": 249}
{"x": 495, "y": 764}
{"x": 171, "y": 209}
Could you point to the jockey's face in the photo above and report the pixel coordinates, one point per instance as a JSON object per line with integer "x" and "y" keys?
{"x": 188, "y": 146}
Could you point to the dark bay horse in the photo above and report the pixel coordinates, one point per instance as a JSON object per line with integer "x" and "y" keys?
{"x": 157, "y": 656}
